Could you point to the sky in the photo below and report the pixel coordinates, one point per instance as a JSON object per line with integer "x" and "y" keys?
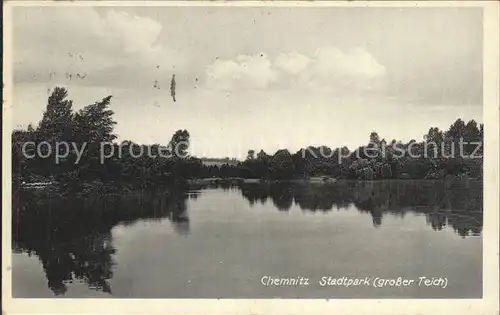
{"x": 254, "y": 77}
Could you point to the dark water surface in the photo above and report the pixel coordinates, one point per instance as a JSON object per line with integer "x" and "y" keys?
{"x": 218, "y": 242}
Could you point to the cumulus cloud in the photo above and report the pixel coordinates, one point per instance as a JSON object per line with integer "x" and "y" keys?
{"x": 138, "y": 34}
{"x": 292, "y": 63}
{"x": 328, "y": 68}
{"x": 331, "y": 61}
{"x": 50, "y": 44}
{"x": 246, "y": 71}
{"x": 113, "y": 48}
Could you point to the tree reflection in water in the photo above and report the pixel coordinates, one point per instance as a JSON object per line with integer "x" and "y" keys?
{"x": 457, "y": 204}
{"x": 72, "y": 236}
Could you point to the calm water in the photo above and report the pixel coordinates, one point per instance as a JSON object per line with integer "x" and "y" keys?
{"x": 218, "y": 242}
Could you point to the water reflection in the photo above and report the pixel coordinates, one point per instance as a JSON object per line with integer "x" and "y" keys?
{"x": 458, "y": 205}
{"x": 72, "y": 236}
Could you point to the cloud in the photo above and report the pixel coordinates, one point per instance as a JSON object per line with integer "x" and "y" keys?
{"x": 138, "y": 34}
{"x": 292, "y": 63}
{"x": 246, "y": 71}
{"x": 331, "y": 62}
{"x": 356, "y": 70}
{"x": 328, "y": 68}
{"x": 59, "y": 44}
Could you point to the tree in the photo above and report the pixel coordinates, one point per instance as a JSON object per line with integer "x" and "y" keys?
{"x": 179, "y": 144}
{"x": 94, "y": 123}
{"x": 92, "y": 126}
{"x": 456, "y": 130}
{"x": 281, "y": 165}
{"x": 472, "y": 135}
{"x": 481, "y": 139}
{"x": 57, "y": 119}
{"x": 434, "y": 135}
{"x": 55, "y": 126}
{"x": 374, "y": 138}
{"x": 19, "y": 162}
{"x": 434, "y": 139}
{"x": 262, "y": 155}
{"x": 251, "y": 155}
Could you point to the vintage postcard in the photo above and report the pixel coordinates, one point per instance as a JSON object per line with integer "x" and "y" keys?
{"x": 250, "y": 157}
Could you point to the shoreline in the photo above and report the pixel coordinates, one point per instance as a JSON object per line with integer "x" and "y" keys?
{"x": 202, "y": 181}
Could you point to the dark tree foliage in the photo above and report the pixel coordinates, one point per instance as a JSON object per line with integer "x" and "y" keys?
{"x": 90, "y": 131}
{"x": 453, "y": 153}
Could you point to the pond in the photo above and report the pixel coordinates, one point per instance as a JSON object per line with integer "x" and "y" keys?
{"x": 242, "y": 241}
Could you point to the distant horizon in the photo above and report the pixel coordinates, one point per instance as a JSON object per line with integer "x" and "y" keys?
{"x": 244, "y": 151}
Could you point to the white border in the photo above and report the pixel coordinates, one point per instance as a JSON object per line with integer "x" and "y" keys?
{"x": 488, "y": 305}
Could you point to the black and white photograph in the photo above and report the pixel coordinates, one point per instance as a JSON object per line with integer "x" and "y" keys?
{"x": 251, "y": 151}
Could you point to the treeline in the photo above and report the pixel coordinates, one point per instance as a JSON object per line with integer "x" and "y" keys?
{"x": 456, "y": 152}
{"x": 86, "y": 130}
{"x": 93, "y": 125}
